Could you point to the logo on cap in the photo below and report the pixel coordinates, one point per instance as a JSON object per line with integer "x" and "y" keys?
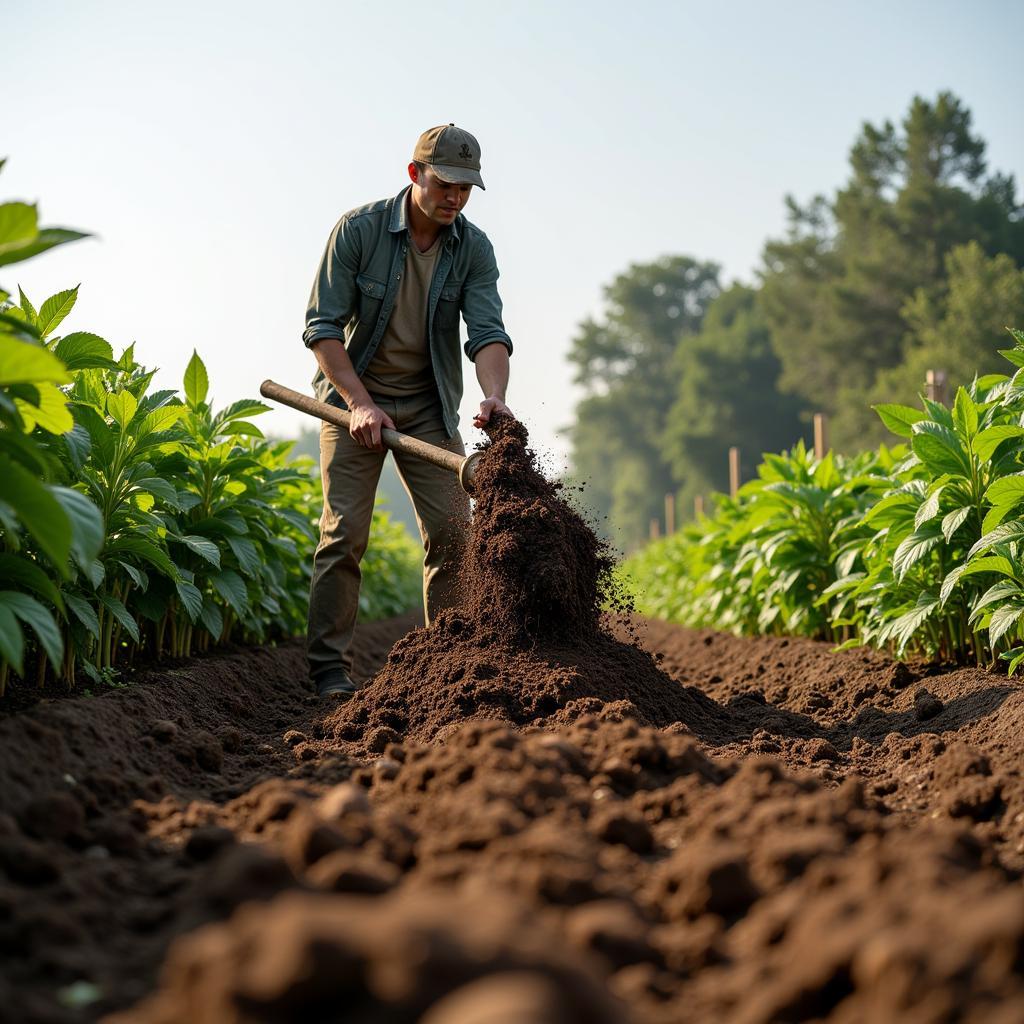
{"x": 466, "y": 153}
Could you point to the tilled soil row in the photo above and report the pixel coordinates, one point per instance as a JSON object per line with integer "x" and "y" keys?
{"x": 91, "y": 887}
{"x": 524, "y": 816}
{"x": 831, "y": 853}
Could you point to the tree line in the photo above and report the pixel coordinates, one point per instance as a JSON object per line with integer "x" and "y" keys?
{"x": 914, "y": 264}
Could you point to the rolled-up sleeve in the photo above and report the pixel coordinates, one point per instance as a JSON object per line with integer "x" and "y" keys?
{"x": 334, "y": 288}
{"x": 481, "y": 304}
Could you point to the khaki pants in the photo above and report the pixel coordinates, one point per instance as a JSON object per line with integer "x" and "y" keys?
{"x": 349, "y": 473}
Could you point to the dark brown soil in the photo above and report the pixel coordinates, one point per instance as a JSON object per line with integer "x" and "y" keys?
{"x": 508, "y": 827}
{"x": 527, "y": 647}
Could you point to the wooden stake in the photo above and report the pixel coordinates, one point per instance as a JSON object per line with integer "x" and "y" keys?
{"x": 734, "y": 471}
{"x": 670, "y": 514}
{"x": 655, "y": 528}
{"x": 698, "y": 506}
{"x": 820, "y": 435}
{"x": 935, "y": 386}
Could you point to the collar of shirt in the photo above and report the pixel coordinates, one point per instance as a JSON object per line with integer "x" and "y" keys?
{"x": 400, "y": 219}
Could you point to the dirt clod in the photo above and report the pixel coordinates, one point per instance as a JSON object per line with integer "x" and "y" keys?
{"x": 926, "y": 705}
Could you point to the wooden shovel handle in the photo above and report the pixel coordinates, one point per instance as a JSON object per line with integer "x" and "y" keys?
{"x": 460, "y": 465}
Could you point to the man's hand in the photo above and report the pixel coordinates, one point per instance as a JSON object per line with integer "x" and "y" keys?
{"x": 489, "y": 409}
{"x": 366, "y": 425}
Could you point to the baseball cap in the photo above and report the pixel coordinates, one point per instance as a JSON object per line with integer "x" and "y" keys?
{"x": 452, "y": 152}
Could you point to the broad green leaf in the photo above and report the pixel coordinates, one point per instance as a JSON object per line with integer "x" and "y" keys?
{"x": 1003, "y": 620}
{"x": 1015, "y": 355}
{"x": 96, "y": 573}
{"x": 163, "y": 489}
{"x": 950, "y": 582}
{"x": 847, "y": 645}
{"x": 87, "y": 533}
{"x": 21, "y": 361}
{"x": 22, "y": 571}
{"x": 19, "y": 225}
{"x": 915, "y": 547}
{"x": 1013, "y": 530}
{"x": 993, "y": 517}
{"x": 929, "y": 508}
{"x": 965, "y": 413}
{"x": 987, "y": 381}
{"x": 47, "y": 238}
{"x": 14, "y": 326}
{"x": 161, "y": 419}
{"x": 84, "y": 612}
{"x": 952, "y": 521}
{"x": 1004, "y": 590}
{"x": 212, "y": 618}
{"x": 137, "y": 576}
{"x": 242, "y": 409}
{"x": 12, "y": 640}
{"x": 127, "y": 360}
{"x": 50, "y": 412}
{"x": 206, "y": 549}
{"x": 84, "y": 351}
{"x": 989, "y": 564}
{"x": 247, "y": 555}
{"x": 197, "y": 383}
{"x": 191, "y": 598}
{"x": 121, "y": 406}
{"x": 26, "y": 451}
{"x": 240, "y": 428}
{"x": 1007, "y": 490}
{"x": 36, "y": 615}
{"x": 150, "y": 604}
{"x": 903, "y": 629}
{"x": 892, "y": 508}
{"x": 231, "y": 588}
{"x": 26, "y": 306}
{"x": 79, "y": 445}
{"x": 55, "y": 309}
{"x": 147, "y": 551}
{"x": 899, "y": 419}
{"x": 121, "y": 613}
{"x": 938, "y": 447}
{"x": 989, "y": 439}
{"x": 39, "y": 512}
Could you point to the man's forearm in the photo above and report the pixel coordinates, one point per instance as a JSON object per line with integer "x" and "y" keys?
{"x": 338, "y": 369}
{"x": 492, "y": 370}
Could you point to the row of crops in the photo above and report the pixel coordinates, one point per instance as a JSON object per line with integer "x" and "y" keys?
{"x": 138, "y": 522}
{"x": 917, "y": 548}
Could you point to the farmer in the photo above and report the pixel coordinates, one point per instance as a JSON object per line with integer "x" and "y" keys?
{"x": 383, "y": 323}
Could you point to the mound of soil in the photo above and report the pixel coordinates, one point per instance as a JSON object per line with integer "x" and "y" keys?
{"x": 527, "y": 645}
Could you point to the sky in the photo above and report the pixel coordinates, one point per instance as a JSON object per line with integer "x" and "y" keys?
{"x": 211, "y": 146}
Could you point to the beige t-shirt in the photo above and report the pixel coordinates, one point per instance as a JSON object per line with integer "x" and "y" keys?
{"x": 401, "y": 365}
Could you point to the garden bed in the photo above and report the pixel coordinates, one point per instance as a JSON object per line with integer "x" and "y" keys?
{"x": 831, "y": 836}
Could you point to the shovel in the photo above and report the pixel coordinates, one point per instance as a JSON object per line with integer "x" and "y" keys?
{"x": 463, "y": 466}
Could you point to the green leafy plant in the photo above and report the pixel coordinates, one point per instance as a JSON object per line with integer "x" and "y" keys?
{"x": 45, "y": 527}
{"x": 917, "y": 549}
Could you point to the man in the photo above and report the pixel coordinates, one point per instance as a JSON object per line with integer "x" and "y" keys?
{"x": 383, "y": 323}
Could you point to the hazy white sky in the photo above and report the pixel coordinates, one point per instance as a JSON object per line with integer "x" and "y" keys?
{"x": 211, "y": 146}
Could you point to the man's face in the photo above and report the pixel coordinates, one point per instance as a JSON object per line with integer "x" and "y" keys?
{"x": 438, "y": 200}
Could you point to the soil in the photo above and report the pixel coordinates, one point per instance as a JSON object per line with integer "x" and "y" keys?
{"x": 514, "y": 823}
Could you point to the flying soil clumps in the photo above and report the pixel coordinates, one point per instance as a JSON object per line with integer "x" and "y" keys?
{"x": 527, "y": 645}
